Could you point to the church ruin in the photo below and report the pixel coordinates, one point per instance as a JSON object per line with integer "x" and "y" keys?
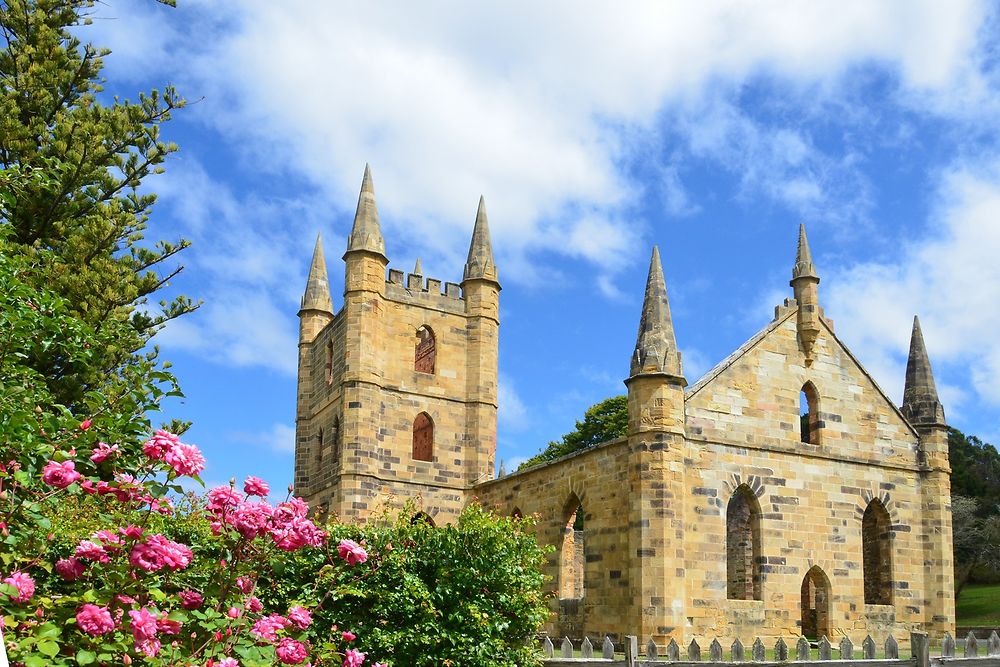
{"x": 725, "y": 512}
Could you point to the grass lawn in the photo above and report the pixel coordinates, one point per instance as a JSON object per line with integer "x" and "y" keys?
{"x": 979, "y": 606}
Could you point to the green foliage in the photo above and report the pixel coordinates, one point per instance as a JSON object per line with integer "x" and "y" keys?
{"x": 81, "y": 225}
{"x": 603, "y": 421}
{"x": 465, "y": 595}
{"x": 975, "y": 470}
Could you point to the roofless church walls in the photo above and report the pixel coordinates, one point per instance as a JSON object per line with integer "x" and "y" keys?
{"x": 781, "y": 494}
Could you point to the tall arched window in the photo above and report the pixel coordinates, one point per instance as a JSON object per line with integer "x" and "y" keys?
{"x": 876, "y": 541}
{"x": 425, "y": 351}
{"x": 422, "y": 517}
{"x": 329, "y": 363}
{"x": 571, "y": 555}
{"x": 809, "y": 422}
{"x": 423, "y": 438}
{"x": 335, "y": 440}
{"x": 516, "y": 513}
{"x": 743, "y": 546}
{"x": 319, "y": 450}
{"x": 815, "y": 604}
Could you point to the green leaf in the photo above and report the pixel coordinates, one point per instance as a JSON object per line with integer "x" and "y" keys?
{"x": 36, "y": 661}
{"x": 84, "y": 657}
{"x": 50, "y": 649}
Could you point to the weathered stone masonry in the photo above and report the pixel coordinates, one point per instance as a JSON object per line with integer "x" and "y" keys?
{"x": 723, "y": 513}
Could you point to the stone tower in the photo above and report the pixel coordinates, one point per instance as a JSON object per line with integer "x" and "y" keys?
{"x": 657, "y": 446}
{"x": 397, "y": 394}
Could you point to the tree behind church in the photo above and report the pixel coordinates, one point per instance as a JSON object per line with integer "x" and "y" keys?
{"x": 72, "y": 171}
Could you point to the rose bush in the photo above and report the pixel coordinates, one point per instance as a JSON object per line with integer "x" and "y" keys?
{"x": 98, "y": 565}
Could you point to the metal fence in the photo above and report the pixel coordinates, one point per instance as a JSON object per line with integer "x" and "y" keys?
{"x": 975, "y": 653}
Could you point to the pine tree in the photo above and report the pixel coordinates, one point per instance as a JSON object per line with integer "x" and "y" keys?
{"x": 83, "y": 224}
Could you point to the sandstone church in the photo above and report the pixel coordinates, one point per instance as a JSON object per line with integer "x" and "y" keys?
{"x": 722, "y": 513}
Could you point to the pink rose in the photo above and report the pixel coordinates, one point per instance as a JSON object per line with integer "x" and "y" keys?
{"x": 353, "y": 658}
{"x": 223, "y": 498}
{"x": 91, "y": 551}
{"x": 102, "y": 452}
{"x": 185, "y": 459}
{"x": 300, "y": 617}
{"x": 255, "y": 486}
{"x": 143, "y": 624}
{"x": 245, "y": 584}
{"x": 190, "y": 599}
{"x": 254, "y": 604}
{"x": 70, "y": 569}
{"x": 150, "y": 647}
{"x": 291, "y": 652}
{"x": 161, "y": 443}
{"x": 228, "y": 662}
{"x": 352, "y": 552}
{"x": 233, "y": 612}
{"x": 265, "y": 628}
{"x": 94, "y": 620}
{"x": 60, "y": 475}
{"x": 24, "y": 584}
{"x": 85, "y": 424}
{"x": 348, "y": 636}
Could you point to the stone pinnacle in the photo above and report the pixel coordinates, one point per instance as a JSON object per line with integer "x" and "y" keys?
{"x": 655, "y": 346}
{"x": 317, "y": 294}
{"x": 366, "y": 234}
{"x": 920, "y": 397}
{"x": 804, "y": 267}
{"x": 480, "y": 265}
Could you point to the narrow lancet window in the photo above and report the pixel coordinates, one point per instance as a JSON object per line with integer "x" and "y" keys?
{"x": 423, "y": 438}
{"x": 809, "y": 422}
{"x": 425, "y": 352}
{"x": 876, "y": 540}
{"x": 743, "y": 581}
{"x": 571, "y": 555}
{"x": 329, "y": 363}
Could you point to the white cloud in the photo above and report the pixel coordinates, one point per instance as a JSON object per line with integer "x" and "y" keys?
{"x": 540, "y": 105}
{"x": 512, "y": 414}
{"x": 279, "y": 438}
{"x": 951, "y": 279}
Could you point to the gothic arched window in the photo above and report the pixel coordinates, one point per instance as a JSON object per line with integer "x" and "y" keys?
{"x": 425, "y": 351}
{"x": 571, "y": 556}
{"x": 876, "y": 541}
{"x": 809, "y": 422}
{"x": 743, "y": 546}
{"x": 423, "y": 438}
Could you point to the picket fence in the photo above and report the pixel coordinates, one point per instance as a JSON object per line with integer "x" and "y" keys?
{"x": 919, "y": 648}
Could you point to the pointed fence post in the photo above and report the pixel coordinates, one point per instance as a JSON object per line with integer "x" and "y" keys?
{"x": 651, "y": 652}
{"x": 757, "y": 650}
{"x": 802, "y": 649}
{"x": 948, "y": 646}
{"x": 993, "y": 644}
{"x": 868, "y": 648}
{"x": 548, "y": 649}
{"x": 608, "y": 648}
{"x": 891, "y": 648}
{"x": 781, "y": 650}
{"x": 920, "y": 649}
{"x": 567, "y": 648}
{"x": 971, "y": 645}
{"x": 715, "y": 651}
{"x": 694, "y": 651}
{"x": 673, "y": 651}
{"x": 631, "y": 650}
{"x": 586, "y": 648}
{"x": 737, "y": 650}
{"x": 846, "y": 649}
{"x": 825, "y": 651}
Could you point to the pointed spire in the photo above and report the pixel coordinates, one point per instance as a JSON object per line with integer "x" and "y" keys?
{"x": 804, "y": 267}
{"x": 503, "y": 470}
{"x": 317, "y": 294}
{"x": 655, "y": 346}
{"x": 366, "y": 233}
{"x": 418, "y": 270}
{"x": 920, "y": 398}
{"x": 480, "y": 265}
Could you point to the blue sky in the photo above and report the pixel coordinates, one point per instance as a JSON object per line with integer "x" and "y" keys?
{"x": 710, "y": 129}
